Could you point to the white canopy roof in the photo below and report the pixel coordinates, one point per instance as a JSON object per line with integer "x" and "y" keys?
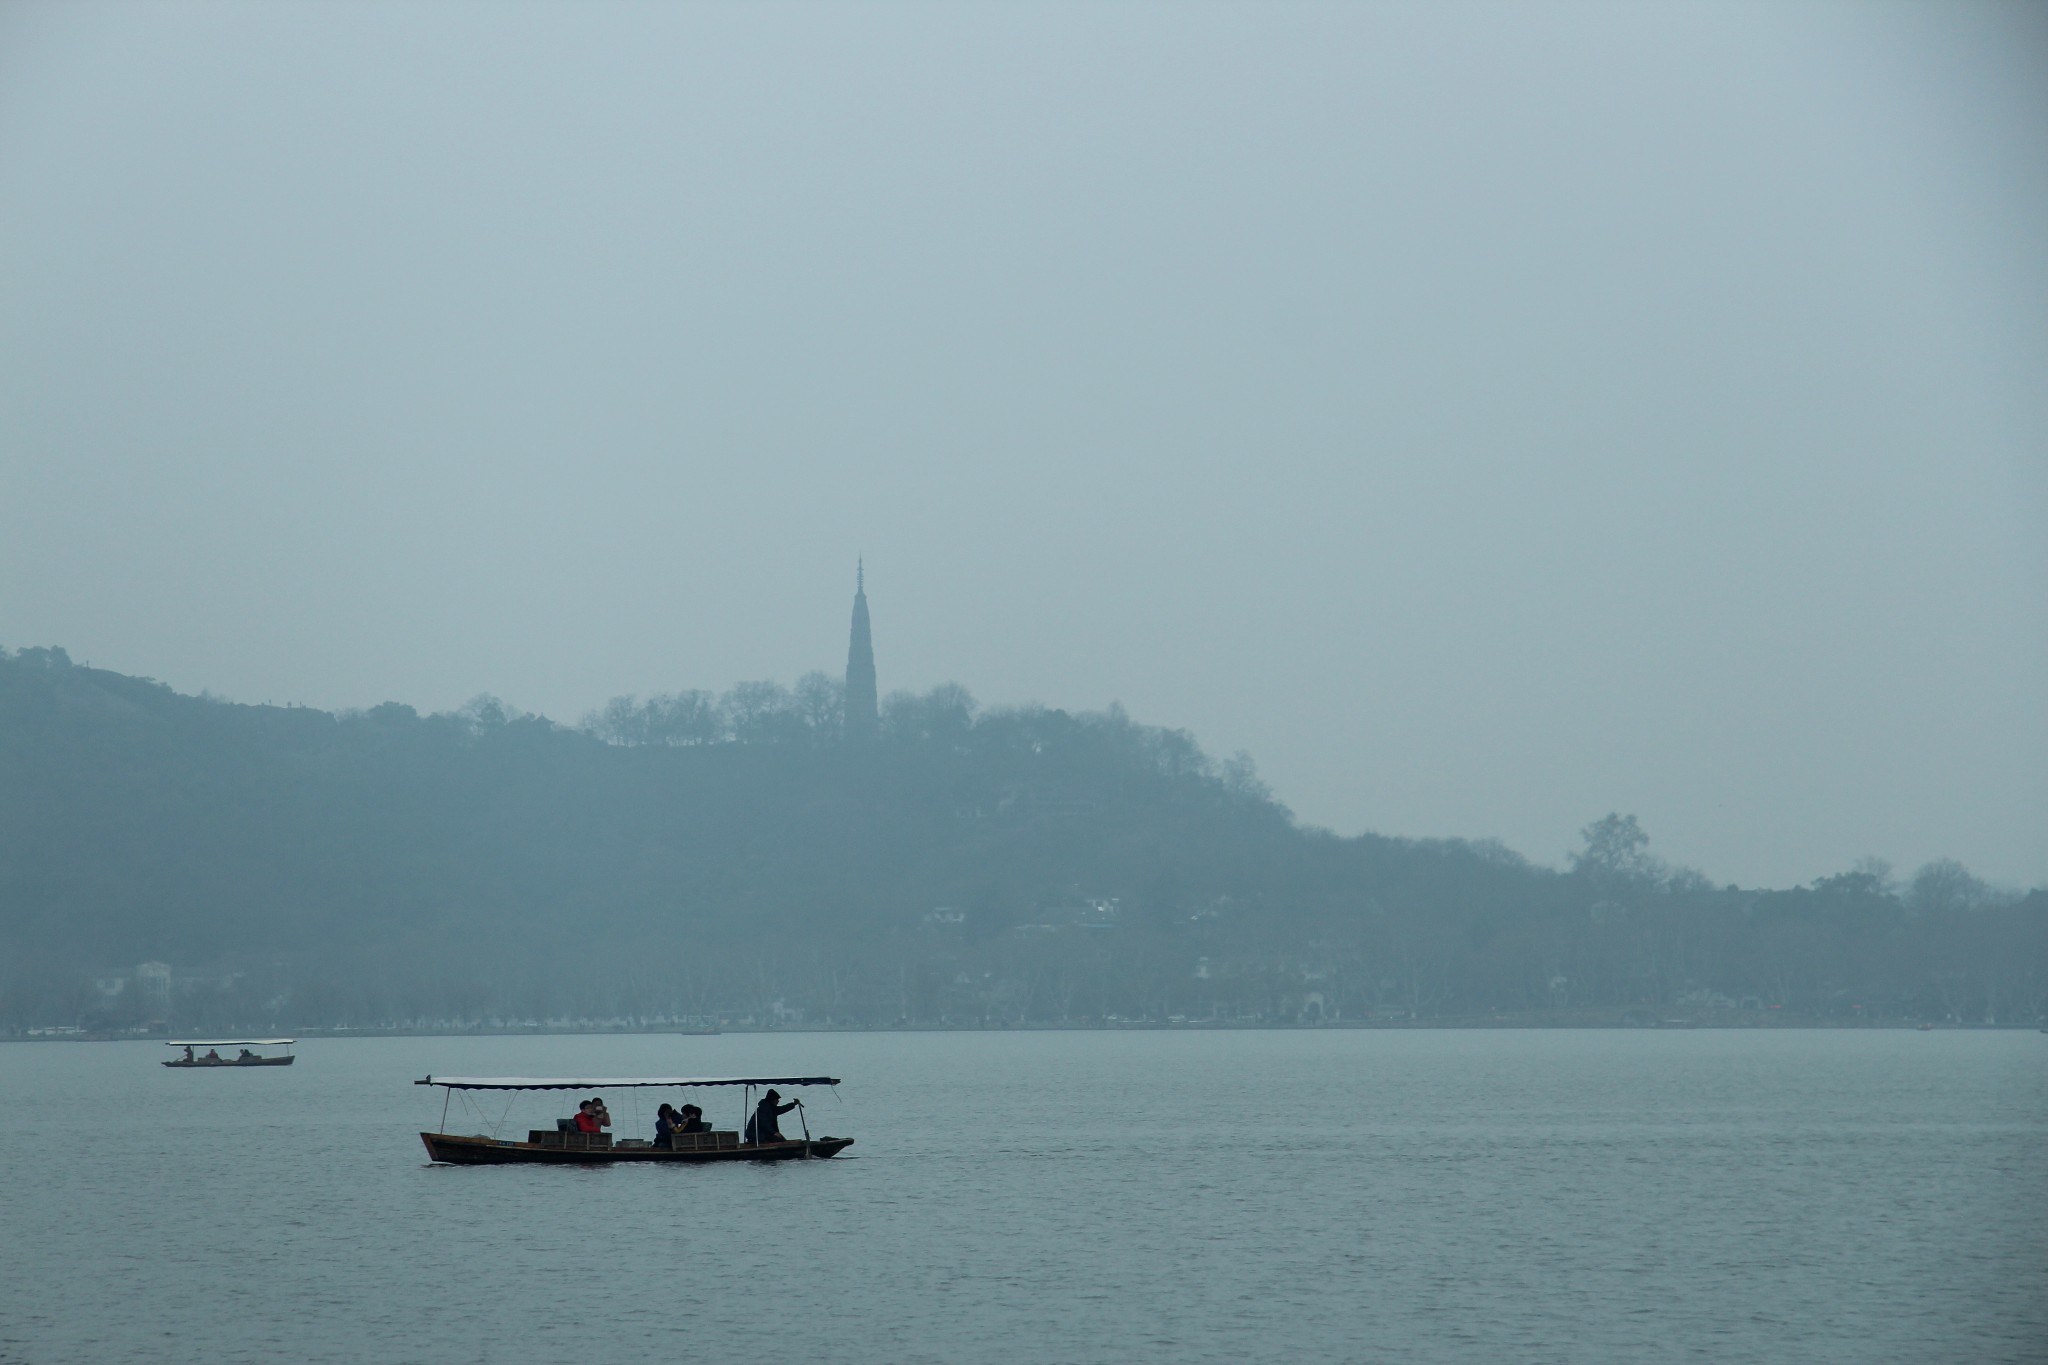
{"x": 614, "y": 1082}
{"x": 232, "y": 1042}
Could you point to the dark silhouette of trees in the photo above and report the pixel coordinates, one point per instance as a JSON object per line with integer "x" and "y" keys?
{"x": 1616, "y": 853}
{"x": 1945, "y": 886}
{"x": 731, "y": 858}
{"x": 820, "y": 702}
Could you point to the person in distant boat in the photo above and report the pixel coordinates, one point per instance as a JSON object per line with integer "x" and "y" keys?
{"x": 665, "y": 1120}
{"x": 247, "y": 1056}
{"x": 690, "y": 1119}
{"x": 188, "y": 1053}
{"x": 586, "y": 1122}
{"x": 600, "y": 1113}
{"x": 213, "y": 1055}
{"x": 763, "y": 1127}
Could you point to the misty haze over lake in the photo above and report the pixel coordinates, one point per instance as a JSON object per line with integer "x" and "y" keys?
{"x": 1023, "y": 682}
{"x": 1485, "y": 417}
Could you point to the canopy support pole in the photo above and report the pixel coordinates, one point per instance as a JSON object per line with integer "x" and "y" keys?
{"x": 446, "y": 1096}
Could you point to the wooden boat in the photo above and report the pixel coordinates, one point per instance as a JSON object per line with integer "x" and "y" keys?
{"x": 565, "y": 1147}
{"x": 215, "y": 1060}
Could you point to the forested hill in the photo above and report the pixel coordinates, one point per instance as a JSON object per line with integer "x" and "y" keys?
{"x": 736, "y": 858}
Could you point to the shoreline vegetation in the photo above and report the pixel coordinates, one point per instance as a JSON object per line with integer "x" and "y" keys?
{"x": 749, "y": 861}
{"x": 1491, "y": 1023}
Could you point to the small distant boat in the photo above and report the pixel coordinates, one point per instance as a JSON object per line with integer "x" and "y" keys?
{"x": 565, "y": 1147}
{"x": 1924, "y": 1027}
{"x": 245, "y": 1057}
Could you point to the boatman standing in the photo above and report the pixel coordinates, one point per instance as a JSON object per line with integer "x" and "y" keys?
{"x": 763, "y": 1126}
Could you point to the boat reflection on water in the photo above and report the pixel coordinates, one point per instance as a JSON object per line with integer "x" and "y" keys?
{"x": 564, "y": 1145}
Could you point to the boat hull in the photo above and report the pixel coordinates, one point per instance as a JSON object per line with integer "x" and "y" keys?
{"x": 198, "y": 1064}
{"x": 482, "y": 1151}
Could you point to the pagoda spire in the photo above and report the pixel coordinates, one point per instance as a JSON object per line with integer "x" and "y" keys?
{"x": 862, "y": 712}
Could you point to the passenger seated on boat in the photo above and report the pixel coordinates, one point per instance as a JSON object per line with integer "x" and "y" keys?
{"x": 247, "y": 1056}
{"x": 762, "y": 1127}
{"x": 586, "y": 1122}
{"x": 690, "y": 1119}
{"x": 188, "y": 1054}
{"x": 213, "y": 1055}
{"x": 665, "y": 1120}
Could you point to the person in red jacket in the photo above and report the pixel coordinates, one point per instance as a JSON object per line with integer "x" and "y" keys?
{"x": 591, "y": 1117}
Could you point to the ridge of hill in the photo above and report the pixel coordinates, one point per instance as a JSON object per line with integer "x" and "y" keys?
{"x": 739, "y": 859}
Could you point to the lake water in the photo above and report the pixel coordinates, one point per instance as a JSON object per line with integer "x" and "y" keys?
{"x": 1118, "y": 1197}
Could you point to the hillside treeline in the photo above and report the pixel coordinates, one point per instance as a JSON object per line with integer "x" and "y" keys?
{"x": 732, "y": 858}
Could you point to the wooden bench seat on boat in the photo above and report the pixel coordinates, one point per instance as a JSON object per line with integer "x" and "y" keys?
{"x": 575, "y": 1142}
{"x": 701, "y": 1142}
{"x": 679, "y": 1142}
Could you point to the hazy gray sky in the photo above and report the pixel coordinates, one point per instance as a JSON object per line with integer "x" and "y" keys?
{"x": 1487, "y": 415}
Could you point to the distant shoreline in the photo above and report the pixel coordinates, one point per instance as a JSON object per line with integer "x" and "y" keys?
{"x": 1404, "y": 1025}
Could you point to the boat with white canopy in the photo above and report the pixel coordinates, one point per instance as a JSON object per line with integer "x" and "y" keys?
{"x": 244, "y": 1057}
{"x": 565, "y": 1144}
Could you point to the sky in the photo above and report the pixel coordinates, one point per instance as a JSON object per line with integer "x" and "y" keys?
{"x": 1487, "y": 416}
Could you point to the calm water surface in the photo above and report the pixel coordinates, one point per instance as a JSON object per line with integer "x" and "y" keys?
{"x": 1142, "y": 1197}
